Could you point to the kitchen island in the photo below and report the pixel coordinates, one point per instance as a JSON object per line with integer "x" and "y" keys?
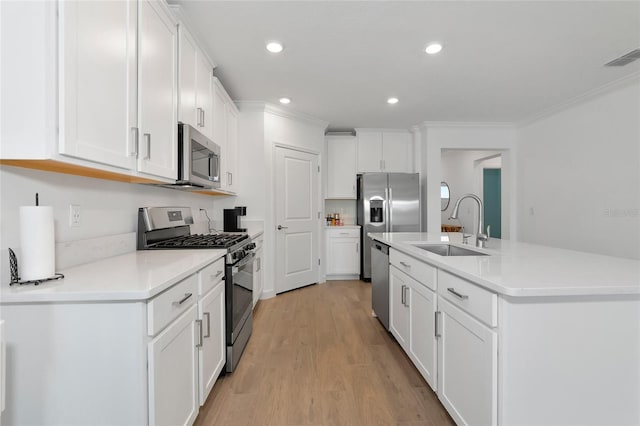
{"x": 519, "y": 334}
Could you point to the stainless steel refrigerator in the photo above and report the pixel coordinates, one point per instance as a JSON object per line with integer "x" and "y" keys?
{"x": 387, "y": 202}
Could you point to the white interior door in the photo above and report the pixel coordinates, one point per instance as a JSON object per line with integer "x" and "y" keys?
{"x": 296, "y": 179}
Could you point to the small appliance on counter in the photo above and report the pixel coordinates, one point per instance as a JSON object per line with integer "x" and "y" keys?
{"x": 232, "y": 219}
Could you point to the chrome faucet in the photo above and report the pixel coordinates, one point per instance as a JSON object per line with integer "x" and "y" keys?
{"x": 481, "y": 237}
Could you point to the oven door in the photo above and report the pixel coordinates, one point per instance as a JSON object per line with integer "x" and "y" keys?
{"x": 239, "y": 299}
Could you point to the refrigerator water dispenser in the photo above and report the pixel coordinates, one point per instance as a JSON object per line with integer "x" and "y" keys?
{"x": 375, "y": 210}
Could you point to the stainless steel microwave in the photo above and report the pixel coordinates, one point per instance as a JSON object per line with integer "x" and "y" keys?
{"x": 198, "y": 159}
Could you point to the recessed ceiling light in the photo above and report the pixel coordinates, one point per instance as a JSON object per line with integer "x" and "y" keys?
{"x": 275, "y": 47}
{"x": 392, "y": 101}
{"x": 433, "y": 48}
{"x": 285, "y": 101}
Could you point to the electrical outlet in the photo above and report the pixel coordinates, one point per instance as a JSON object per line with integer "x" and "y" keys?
{"x": 74, "y": 215}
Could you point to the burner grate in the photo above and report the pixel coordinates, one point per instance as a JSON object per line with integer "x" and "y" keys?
{"x": 202, "y": 241}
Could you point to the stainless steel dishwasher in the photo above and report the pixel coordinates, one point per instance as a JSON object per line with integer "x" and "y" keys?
{"x": 380, "y": 281}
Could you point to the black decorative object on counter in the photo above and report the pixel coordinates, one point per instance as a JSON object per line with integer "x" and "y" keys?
{"x": 15, "y": 276}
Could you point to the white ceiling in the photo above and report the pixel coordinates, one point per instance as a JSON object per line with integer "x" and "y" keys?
{"x": 503, "y": 61}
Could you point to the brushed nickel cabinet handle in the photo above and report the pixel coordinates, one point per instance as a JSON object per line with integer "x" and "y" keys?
{"x": 133, "y": 152}
{"x": 199, "y": 344}
{"x": 458, "y": 295}
{"x": 208, "y": 315}
{"x": 406, "y": 265}
{"x": 147, "y": 140}
{"x": 184, "y": 299}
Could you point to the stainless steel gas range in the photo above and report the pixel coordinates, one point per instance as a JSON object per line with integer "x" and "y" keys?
{"x": 168, "y": 228}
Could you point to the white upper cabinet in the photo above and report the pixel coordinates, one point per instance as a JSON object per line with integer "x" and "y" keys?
{"x": 196, "y": 104}
{"x": 98, "y": 88}
{"x": 187, "y": 74}
{"x": 369, "y": 152}
{"x": 341, "y": 167}
{"x": 204, "y": 99}
{"x": 225, "y": 134}
{"x": 113, "y": 93}
{"x": 231, "y": 154}
{"x": 388, "y": 151}
{"x": 397, "y": 152}
{"x": 157, "y": 88}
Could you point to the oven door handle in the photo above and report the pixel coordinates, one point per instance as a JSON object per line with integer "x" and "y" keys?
{"x": 245, "y": 260}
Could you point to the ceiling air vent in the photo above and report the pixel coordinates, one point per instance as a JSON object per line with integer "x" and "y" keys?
{"x": 624, "y": 59}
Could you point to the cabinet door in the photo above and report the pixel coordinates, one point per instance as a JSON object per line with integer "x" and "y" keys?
{"x": 369, "y": 152}
{"x": 220, "y": 129}
{"x": 467, "y": 367}
{"x": 232, "y": 147}
{"x": 398, "y": 310}
{"x": 341, "y": 168}
{"x": 257, "y": 277}
{"x": 343, "y": 255}
{"x": 98, "y": 102}
{"x": 423, "y": 343}
{"x": 173, "y": 373}
{"x": 157, "y": 92}
{"x": 204, "y": 101}
{"x": 187, "y": 112}
{"x": 212, "y": 353}
{"x": 397, "y": 152}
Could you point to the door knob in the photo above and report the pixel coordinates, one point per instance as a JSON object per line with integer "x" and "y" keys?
{"x": 282, "y": 227}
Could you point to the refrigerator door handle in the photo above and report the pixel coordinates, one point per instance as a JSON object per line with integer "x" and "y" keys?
{"x": 390, "y": 203}
{"x": 386, "y": 209}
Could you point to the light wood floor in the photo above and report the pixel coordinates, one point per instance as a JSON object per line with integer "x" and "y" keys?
{"x": 318, "y": 357}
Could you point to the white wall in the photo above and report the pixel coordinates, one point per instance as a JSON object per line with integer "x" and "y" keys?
{"x": 579, "y": 175}
{"x": 434, "y": 137}
{"x": 270, "y": 126}
{"x": 107, "y": 208}
{"x": 250, "y": 168}
{"x": 462, "y": 170}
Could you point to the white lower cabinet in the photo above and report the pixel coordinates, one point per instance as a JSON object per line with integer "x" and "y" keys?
{"x": 423, "y": 345}
{"x": 398, "y": 308}
{"x": 212, "y": 347}
{"x": 258, "y": 271}
{"x": 173, "y": 379}
{"x": 457, "y": 354}
{"x": 123, "y": 362}
{"x": 467, "y": 367}
{"x": 412, "y": 317}
{"x": 343, "y": 253}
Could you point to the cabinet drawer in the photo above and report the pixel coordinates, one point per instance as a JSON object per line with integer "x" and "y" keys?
{"x": 339, "y": 232}
{"x": 472, "y": 298}
{"x": 209, "y": 276}
{"x": 165, "y": 307}
{"x": 424, "y": 273}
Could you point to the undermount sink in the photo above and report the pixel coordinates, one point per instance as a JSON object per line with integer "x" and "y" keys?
{"x": 449, "y": 250}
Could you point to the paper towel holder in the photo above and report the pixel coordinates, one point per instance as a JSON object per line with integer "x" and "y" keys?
{"x": 15, "y": 276}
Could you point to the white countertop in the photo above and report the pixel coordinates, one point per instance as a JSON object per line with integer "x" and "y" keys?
{"x": 521, "y": 269}
{"x": 138, "y": 275}
{"x": 343, "y": 227}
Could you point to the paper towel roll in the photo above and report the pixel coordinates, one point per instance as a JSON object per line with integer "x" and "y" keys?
{"x": 37, "y": 243}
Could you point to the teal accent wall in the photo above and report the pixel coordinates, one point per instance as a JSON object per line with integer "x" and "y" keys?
{"x": 492, "y": 196}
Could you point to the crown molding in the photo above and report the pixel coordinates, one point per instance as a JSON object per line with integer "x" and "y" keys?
{"x": 381, "y": 129}
{"x": 468, "y": 124}
{"x": 580, "y": 99}
{"x": 261, "y": 106}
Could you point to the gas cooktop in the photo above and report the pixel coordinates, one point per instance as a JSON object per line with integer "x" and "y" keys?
{"x": 169, "y": 228}
{"x": 207, "y": 241}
